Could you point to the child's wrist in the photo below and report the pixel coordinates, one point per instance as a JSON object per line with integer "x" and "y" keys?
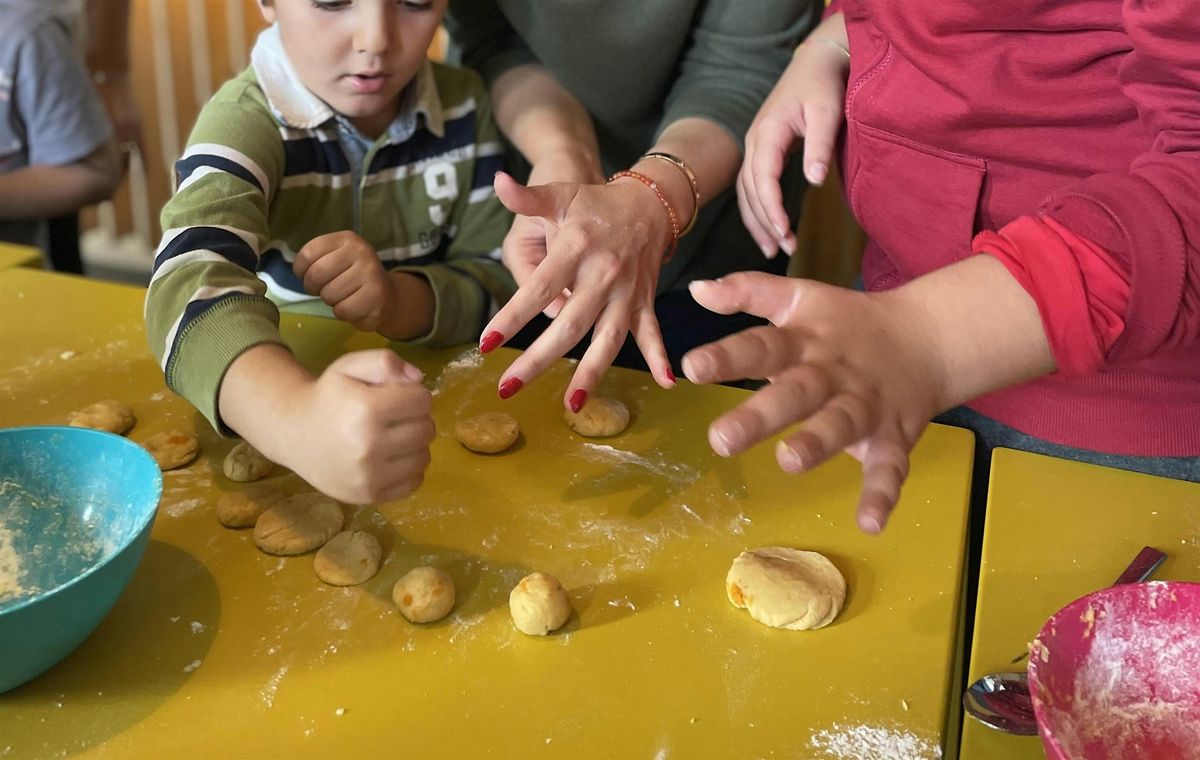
{"x": 409, "y": 311}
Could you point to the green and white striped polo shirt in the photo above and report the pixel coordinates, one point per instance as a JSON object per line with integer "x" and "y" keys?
{"x": 265, "y": 171}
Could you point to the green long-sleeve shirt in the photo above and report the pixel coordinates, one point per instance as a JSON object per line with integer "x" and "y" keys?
{"x": 640, "y": 65}
{"x": 269, "y": 167}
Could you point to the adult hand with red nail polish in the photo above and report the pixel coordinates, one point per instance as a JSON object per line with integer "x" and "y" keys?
{"x": 807, "y": 104}
{"x": 618, "y": 263}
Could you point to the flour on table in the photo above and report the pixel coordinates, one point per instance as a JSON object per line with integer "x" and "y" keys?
{"x": 457, "y": 368}
{"x": 856, "y": 742}
{"x": 673, "y": 471}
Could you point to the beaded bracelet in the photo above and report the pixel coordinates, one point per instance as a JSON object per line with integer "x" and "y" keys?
{"x": 690, "y": 176}
{"x": 661, "y": 199}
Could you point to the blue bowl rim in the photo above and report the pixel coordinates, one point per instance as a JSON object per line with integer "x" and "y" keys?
{"x": 137, "y": 451}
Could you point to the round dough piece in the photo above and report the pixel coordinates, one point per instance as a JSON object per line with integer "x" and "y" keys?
{"x": 350, "y": 558}
{"x": 110, "y": 416}
{"x": 786, "y": 588}
{"x": 600, "y": 417}
{"x": 240, "y": 509}
{"x": 172, "y": 449}
{"x": 298, "y": 524}
{"x": 539, "y": 604}
{"x": 424, "y": 594}
{"x": 244, "y": 464}
{"x": 488, "y": 433}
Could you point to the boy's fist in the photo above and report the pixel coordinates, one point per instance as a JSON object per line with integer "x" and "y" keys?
{"x": 344, "y": 270}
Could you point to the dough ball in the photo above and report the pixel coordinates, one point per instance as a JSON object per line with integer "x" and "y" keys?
{"x": 599, "y": 418}
{"x": 240, "y": 509}
{"x": 539, "y": 604}
{"x": 786, "y": 588}
{"x": 350, "y": 558}
{"x": 424, "y": 594}
{"x": 244, "y": 464}
{"x": 110, "y": 416}
{"x": 172, "y": 449}
{"x": 298, "y": 524}
{"x": 488, "y": 433}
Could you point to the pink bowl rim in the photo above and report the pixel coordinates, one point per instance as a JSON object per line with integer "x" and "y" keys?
{"x": 1074, "y": 607}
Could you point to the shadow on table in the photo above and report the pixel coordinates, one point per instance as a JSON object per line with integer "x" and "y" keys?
{"x": 139, "y": 656}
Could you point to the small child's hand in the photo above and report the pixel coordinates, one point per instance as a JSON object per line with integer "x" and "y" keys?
{"x": 364, "y": 429}
{"x": 807, "y": 103}
{"x": 345, "y": 271}
{"x": 856, "y": 369}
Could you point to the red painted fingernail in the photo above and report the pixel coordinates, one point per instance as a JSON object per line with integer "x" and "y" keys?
{"x": 510, "y": 386}
{"x": 490, "y": 341}
{"x": 670, "y": 374}
{"x": 578, "y": 399}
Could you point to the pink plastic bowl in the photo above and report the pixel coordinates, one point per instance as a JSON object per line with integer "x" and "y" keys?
{"x": 1116, "y": 674}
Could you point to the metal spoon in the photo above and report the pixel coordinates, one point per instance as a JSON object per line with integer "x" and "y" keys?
{"x": 1001, "y": 700}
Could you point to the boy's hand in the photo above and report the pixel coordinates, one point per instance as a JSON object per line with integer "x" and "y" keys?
{"x": 364, "y": 429}
{"x": 858, "y": 371}
{"x": 344, "y": 270}
{"x": 807, "y": 102}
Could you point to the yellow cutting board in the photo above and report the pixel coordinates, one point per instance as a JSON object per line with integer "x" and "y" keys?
{"x": 217, "y": 650}
{"x": 1055, "y": 531}
{"x": 19, "y": 256}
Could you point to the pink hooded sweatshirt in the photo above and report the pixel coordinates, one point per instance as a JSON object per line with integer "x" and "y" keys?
{"x": 1063, "y": 137}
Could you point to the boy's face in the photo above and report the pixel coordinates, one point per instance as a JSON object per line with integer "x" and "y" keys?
{"x": 357, "y": 55}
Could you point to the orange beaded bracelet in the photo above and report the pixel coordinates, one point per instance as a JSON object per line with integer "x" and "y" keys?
{"x": 671, "y": 215}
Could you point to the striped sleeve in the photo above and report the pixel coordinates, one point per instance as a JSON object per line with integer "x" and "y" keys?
{"x": 205, "y": 305}
{"x": 471, "y": 284}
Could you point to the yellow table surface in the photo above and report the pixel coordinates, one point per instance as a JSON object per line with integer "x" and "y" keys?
{"x": 1055, "y": 531}
{"x": 219, "y": 650}
{"x": 19, "y": 256}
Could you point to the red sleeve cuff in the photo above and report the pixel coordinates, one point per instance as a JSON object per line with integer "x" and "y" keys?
{"x": 1081, "y": 291}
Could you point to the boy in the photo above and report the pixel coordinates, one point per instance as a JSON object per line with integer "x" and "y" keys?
{"x": 57, "y": 152}
{"x": 354, "y": 177}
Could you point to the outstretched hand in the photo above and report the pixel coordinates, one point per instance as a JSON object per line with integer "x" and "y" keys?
{"x": 603, "y": 250}
{"x": 853, "y": 368}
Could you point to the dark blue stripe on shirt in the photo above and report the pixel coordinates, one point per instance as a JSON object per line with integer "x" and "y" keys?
{"x": 424, "y": 144}
{"x": 194, "y": 310}
{"x": 213, "y": 239}
{"x": 281, "y": 270}
{"x": 485, "y": 170}
{"x": 184, "y": 168}
{"x": 312, "y": 155}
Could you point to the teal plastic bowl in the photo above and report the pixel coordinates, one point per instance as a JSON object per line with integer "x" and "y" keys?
{"x": 76, "y": 508}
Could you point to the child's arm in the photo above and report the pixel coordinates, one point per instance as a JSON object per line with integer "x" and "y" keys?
{"x": 345, "y": 271}
{"x": 45, "y": 191}
{"x": 360, "y": 432}
{"x": 217, "y": 336}
{"x": 71, "y": 155}
{"x": 866, "y": 372}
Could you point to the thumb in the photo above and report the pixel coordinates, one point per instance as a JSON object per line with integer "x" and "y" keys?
{"x": 821, "y": 126}
{"x": 379, "y": 366}
{"x": 764, "y": 295}
{"x": 546, "y": 201}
